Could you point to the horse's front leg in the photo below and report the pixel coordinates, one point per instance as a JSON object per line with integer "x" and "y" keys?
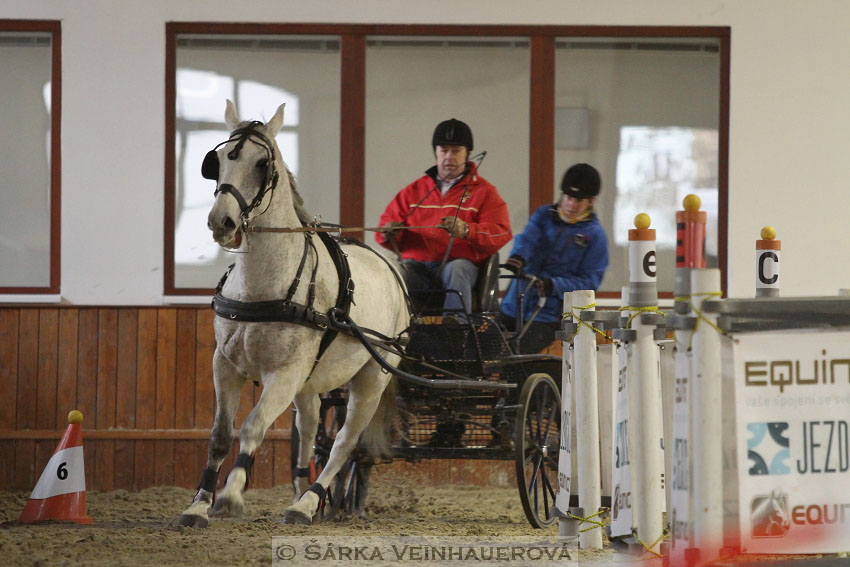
{"x": 228, "y": 384}
{"x": 307, "y": 408}
{"x": 277, "y": 395}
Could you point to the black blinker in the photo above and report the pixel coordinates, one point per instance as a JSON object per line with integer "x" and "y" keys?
{"x": 209, "y": 169}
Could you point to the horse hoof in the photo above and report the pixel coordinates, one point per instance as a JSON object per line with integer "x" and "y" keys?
{"x": 225, "y": 507}
{"x": 193, "y": 521}
{"x": 297, "y": 518}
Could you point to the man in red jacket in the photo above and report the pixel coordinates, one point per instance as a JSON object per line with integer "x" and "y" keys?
{"x": 470, "y": 221}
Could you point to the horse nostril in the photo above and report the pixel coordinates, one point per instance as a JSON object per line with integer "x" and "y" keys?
{"x": 229, "y": 224}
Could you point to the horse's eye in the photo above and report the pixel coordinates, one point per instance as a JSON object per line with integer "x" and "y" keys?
{"x": 263, "y": 163}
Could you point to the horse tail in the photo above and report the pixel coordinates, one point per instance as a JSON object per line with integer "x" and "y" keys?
{"x": 377, "y": 437}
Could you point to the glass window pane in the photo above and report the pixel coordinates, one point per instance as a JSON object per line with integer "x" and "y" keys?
{"x": 414, "y": 83}
{"x": 257, "y": 74}
{"x": 25, "y": 159}
{"x": 645, "y": 113}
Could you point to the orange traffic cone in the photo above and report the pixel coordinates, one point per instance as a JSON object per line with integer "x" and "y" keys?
{"x": 60, "y": 493}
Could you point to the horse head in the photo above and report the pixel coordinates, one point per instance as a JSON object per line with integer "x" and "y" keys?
{"x": 779, "y": 513}
{"x": 770, "y": 515}
{"x": 246, "y": 168}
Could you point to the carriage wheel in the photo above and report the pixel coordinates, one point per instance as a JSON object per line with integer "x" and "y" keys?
{"x": 537, "y": 442}
{"x": 352, "y": 484}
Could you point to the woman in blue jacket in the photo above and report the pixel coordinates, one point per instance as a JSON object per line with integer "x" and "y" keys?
{"x": 565, "y": 246}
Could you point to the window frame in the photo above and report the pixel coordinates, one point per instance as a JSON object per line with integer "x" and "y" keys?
{"x": 541, "y": 175}
{"x": 54, "y": 28}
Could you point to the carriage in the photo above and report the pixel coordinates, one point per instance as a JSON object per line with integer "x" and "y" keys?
{"x": 464, "y": 393}
{"x": 287, "y": 317}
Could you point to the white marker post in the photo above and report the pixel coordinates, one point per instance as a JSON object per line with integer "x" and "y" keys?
{"x": 587, "y": 419}
{"x": 644, "y": 395}
{"x": 706, "y": 385}
{"x": 767, "y": 263}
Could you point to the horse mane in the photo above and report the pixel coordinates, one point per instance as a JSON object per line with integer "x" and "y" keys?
{"x": 297, "y": 200}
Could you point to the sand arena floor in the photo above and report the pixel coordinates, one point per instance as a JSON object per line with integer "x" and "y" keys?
{"x": 138, "y": 528}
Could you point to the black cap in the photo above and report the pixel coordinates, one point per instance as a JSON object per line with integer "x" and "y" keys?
{"x": 581, "y": 181}
{"x": 452, "y": 132}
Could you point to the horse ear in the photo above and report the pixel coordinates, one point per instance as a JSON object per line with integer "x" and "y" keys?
{"x": 231, "y": 118}
{"x": 276, "y": 122}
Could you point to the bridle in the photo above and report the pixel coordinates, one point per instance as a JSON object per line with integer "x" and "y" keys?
{"x": 211, "y": 166}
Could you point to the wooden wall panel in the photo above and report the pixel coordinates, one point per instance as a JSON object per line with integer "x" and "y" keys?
{"x": 66, "y": 382}
{"x": 107, "y": 372}
{"x": 107, "y": 367}
{"x": 142, "y": 377}
{"x": 146, "y": 339}
{"x": 166, "y": 354}
{"x": 87, "y": 366}
{"x": 125, "y": 370}
{"x": 281, "y": 469}
{"x": 9, "y": 333}
{"x": 24, "y": 464}
{"x": 166, "y": 350}
{"x": 124, "y": 463}
{"x": 27, "y": 392}
{"x": 7, "y": 457}
{"x": 264, "y": 465}
{"x": 48, "y": 351}
{"x": 144, "y": 464}
{"x": 204, "y": 388}
{"x": 186, "y": 470}
{"x": 184, "y": 380}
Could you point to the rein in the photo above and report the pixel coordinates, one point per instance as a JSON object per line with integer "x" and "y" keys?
{"x": 330, "y": 228}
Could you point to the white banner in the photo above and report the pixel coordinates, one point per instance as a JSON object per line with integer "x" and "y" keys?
{"x": 562, "y": 498}
{"x": 621, "y": 501}
{"x": 681, "y": 480}
{"x": 792, "y": 394}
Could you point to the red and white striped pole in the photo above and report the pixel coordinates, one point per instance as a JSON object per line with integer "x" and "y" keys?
{"x": 690, "y": 255}
{"x": 767, "y": 263}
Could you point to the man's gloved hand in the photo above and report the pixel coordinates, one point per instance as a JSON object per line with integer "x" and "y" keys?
{"x": 392, "y": 229}
{"x": 544, "y": 287}
{"x": 456, "y": 227}
{"x": 515, "y": 264}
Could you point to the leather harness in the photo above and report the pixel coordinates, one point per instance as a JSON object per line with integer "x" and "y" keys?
{"x": 285, "y": 310}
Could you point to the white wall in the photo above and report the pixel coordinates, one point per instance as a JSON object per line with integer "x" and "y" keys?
{"x": 788, "y": 129}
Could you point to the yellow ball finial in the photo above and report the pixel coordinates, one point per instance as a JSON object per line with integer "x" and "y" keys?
{"x": 691, "y": 203}
{"x": 768, "y": 233}
{"x": 642, "y": 221}
{"x": 75, "y": 416}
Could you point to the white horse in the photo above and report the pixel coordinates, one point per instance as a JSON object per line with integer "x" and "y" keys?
{"x": 250, "y": 192}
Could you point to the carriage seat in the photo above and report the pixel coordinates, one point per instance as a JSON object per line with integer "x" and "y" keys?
{"x": 485, "y": 291}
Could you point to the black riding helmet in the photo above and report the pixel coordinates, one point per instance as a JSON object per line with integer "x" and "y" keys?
{"x": 452, "y": 132}
{"x": 581, "y": 181}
